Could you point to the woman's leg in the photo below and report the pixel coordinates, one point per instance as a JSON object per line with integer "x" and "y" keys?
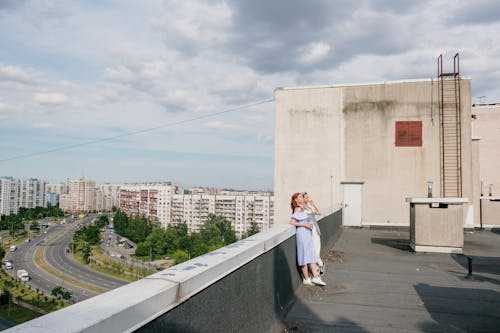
{"x": 305, "y": 273}
{"x": 314, "y": 269}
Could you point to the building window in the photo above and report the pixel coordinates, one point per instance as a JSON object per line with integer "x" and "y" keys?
{"x": 408, "y": 134}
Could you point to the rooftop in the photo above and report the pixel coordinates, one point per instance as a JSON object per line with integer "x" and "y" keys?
{"x": 377, "y": 284}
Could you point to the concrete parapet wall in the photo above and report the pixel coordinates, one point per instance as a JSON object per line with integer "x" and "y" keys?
{"x": 245, "y": 287}
{"x": 490, "y": 211}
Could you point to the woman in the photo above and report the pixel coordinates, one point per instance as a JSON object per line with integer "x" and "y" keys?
{"x": 306, "y": 255}
{"x": 311, "y": 209}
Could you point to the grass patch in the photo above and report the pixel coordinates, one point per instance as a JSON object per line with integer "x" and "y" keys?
{"x": 17, "y": 314}
{"x": 102, "y": 263}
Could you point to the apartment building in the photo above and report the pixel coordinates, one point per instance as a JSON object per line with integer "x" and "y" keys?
{"x": 106, "y": 197}
{"x": 32, "y": 193}
{"x": 192, "y": 209}
{"x": 80, "y": 197}
{"x": 151, "y": 200}
{"x": 240, "y": 208}
{"x": 9, "y": 196}
{"x": 53, "y": 193}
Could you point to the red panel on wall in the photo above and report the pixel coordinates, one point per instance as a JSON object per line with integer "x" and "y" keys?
{"x": 408, "y": 134}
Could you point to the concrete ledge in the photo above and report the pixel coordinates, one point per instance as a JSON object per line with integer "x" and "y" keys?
{"x": 260, "y": 270}
{"x": 438, "y": 249}
{"x": 130, "y": 307}
{"x": 197, "y": 274}
{"x": 118, "y": 310}
{"x": 448, "y": 201}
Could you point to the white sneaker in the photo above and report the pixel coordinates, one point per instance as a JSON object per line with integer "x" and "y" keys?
{"x": 318, "y": 281}
{"x": 307, "y": 282}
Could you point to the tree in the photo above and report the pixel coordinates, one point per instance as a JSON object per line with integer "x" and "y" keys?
{"x": 102, "y": 221}
{"x": 120, "y": 222}
{"x": 197, "y": 246}
{"x": 86, "y": 251}
{"x": 217, "y": 231}
{"x": 143, "y": 249}
{"x": 254, "y": 229}
{"x": 157, "y": 240}
{"x": 61, "y": 292}
{"x": 177, "y": 237}
{"x": 90, "y": 234}
{"x": 180, "y": 256}
{"x": 138, "y": 229}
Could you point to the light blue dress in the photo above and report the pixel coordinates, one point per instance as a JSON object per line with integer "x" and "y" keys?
{"x": 305, "y": 247}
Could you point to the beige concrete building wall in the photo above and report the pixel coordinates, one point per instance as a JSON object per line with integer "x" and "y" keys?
{"x": 325, "y": 135}
{"x": 308, "y": 147}
{"x": 486, "y": 127}
{"x": 490, "y": 212}
{"x": 390, "y": 173}
{"x": 486, "y": 130}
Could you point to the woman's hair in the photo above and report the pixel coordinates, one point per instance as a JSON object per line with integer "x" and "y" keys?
{"x": 293, "y": 203}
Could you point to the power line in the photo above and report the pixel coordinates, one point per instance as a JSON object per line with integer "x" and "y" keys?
{"x": 241, "y": 107}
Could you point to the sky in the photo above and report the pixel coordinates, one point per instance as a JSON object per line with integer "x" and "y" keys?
{"x": 182, "y": 91}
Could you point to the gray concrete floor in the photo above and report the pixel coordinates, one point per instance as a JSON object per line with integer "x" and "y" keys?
{"x": 377, "y": 284}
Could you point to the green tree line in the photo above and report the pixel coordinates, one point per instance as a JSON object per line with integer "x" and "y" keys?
{"x": 175, "y": 241}
{"x": 14, "y": 222}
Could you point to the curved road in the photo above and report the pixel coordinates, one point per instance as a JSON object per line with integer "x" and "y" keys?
{"x": 64, "y": 262}
{"x": 56, "y": 242}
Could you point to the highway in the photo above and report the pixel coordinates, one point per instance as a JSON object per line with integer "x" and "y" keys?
{"x": 80, "y": 280}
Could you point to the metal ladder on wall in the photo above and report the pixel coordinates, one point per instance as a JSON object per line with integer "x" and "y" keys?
{"x": 450, "y": 129}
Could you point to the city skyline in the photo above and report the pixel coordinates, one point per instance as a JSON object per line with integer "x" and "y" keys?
{"x": 193, "y": 81}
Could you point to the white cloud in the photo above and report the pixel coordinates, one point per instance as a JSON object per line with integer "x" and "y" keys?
{"x": 155, "y": 69}
{"x": 120, "y": 73}
{"x": 3, "y": 107}
{"x": 50, "y": 98}
{"x": 314, "y": 52}
{"x": 18, "y": 74}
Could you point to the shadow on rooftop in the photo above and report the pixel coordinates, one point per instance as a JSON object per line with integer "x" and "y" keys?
{"x": 341, "y": 325}
{"x": 485, "y": 265}
{"x": 460, "y": 309}
{"x": 402, "y": 244}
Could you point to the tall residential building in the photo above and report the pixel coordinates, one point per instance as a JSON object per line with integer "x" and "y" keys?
{"x": 32, "y": 193}
{"x": 9, "y": 195}
{"x": 53, "y": 193}
{"x": 106, "y": 197}
{"x": 168, "y": 205}
{"x": 241, "y": 208}
{"x": 192, "y": 209}
{"x": 80, "y": 197}
{"x": 151, "y": 200}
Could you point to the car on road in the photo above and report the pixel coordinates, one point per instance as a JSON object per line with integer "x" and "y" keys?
{"x": 8, "y": 264}
{"x": 13, "y": 248}
{"x": 23, "y": 275}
